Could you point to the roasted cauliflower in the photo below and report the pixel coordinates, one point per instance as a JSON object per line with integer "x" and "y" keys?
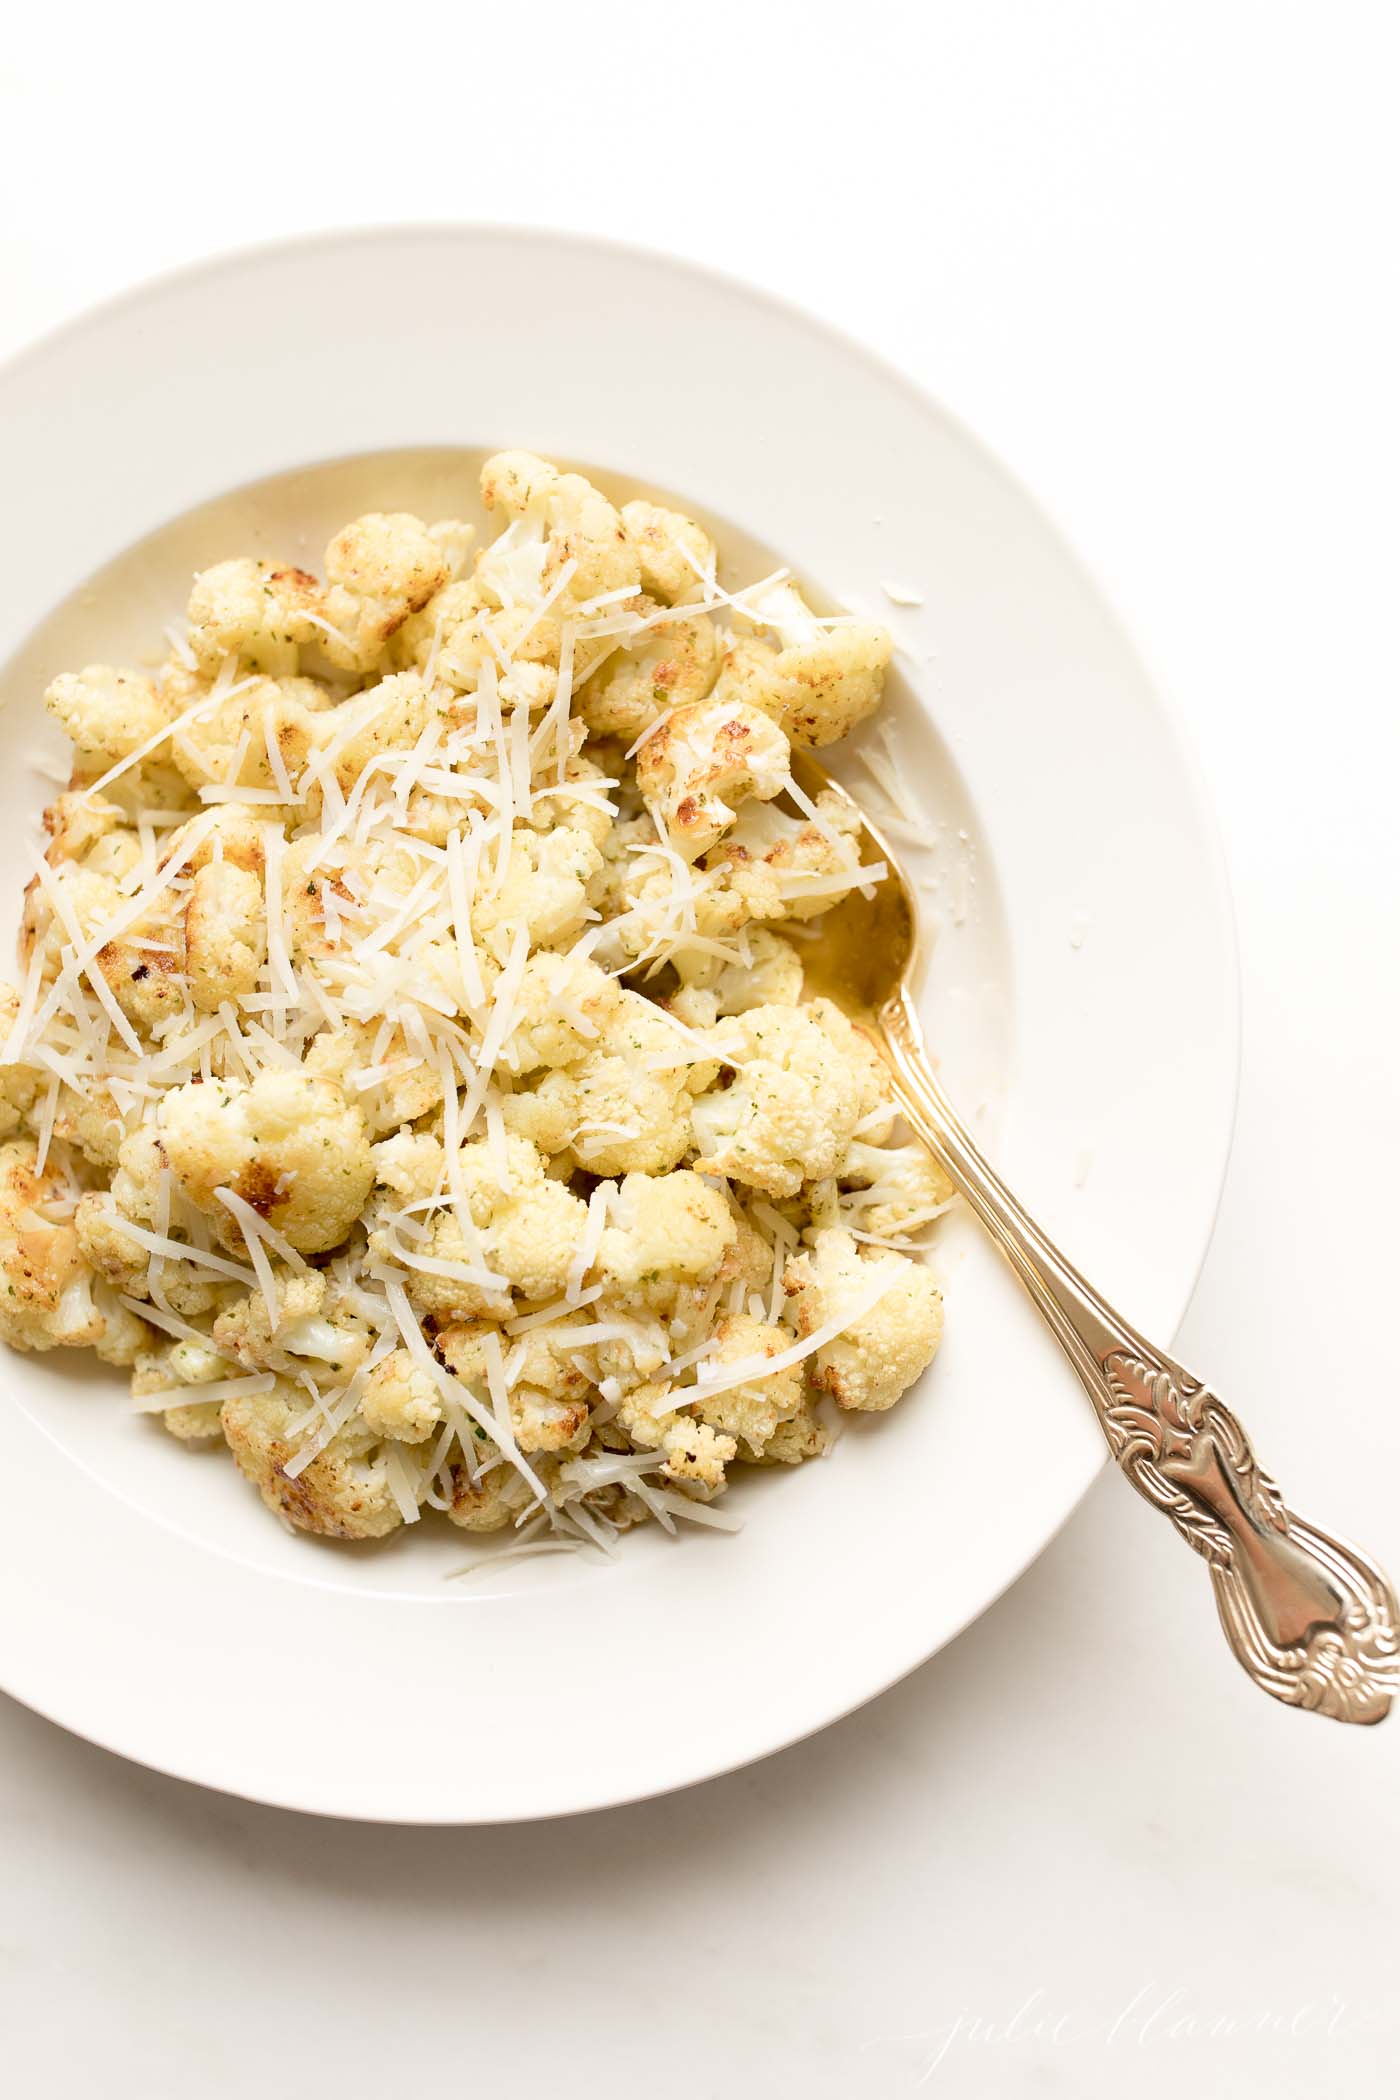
{"x": 413, "y": 1081}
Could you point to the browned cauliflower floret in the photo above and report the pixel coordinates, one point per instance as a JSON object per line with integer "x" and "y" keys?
{"x": 88, "y": 828}
{"x": 225, "y": 934}
{"x": 674, "y": 552}
{"x": 669, "y": 665}
{"x": 91, "y": 1123}
{"x": 819, "y": 682}
{"x": 752, "y": 1411}
{"x": 695, "y": 1455}
{"x": 106, "y": 713}
{"x": 71, "y": 896}
{"x": 706, "y": 759}
{"x": 230, "y": 745}
{"x": 46, "y": 1285}
{"x": 380, "y": 570}
{"x": 343, "y": 1493}
{"x": 256, "y": 610}
{"x": 400, "y": 1400}
{"x": 497, "y": 1499}
{"x": 287, "y": 1142}
{"x": 19, "y": 1083}
{"x": 804, "y": 1435}
{"x": 549, "y": 1395}
{"x": 102, "y": 1216}
{"x": 881, "y": 1351}
{"x": 782, "y": 867}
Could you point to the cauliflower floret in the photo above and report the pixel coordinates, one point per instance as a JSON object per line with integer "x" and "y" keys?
{"x": 567, "y": 1007}
{"x": 315, "y": 1326}
{"x": 19, "y": 1084}
{"x": 380, "y": 570}
{"x": 674, "y": 552}
{"x": 408, "y": 1089}
{"x": 78, "y": 825}
{"x": 777, "y": 866}
{"x": 107, "y": 713}
{"x": 879, "y": 1354}
{"x": 672, "y": 1228}
{"x": 411, "y": 1164}
{"x": 400, "y": 1400}
{"x": 288, "y": 1143}
{"x": 549, "y": 1395}
{"x": 670, "y": 665}
{"x": 91, "y": 1123}
{"x": 617, "y": 1110}
{"x": 387, "y": 718}
{"x": 695, "y": 1455}
{"x": 772, "y": 976}
{"x": 89, "y": 901}
{"x": 343, "y": 1493}
{"x": 544, "y": 890}
{"x": 112, "y": 1252}
{"x": 46, "y": 1285}
{"x": 582, "y": 800}
{"x": 533, "y": 1239}
{"x": 902, "y": 1186}
{"x": 256, "y": 610}
{"x": 167, "y": 1363}
{"x": 225, "y": 934}
{"x": 525, "y": 1228}
{"x": 553, "y": 518}
{"x": 229, "y": 746}
{"x": 703, "y": 761}
{"x": 870, "y": 1075}
{"x": 788, "y": 1114}
{"x": 490, "y": 1503}
{"x": 752, "y": 1411}
{"x": 804, "y": 1435}
{"x": 444, "y": 1292}
{"x": 530, "y": 1223}
{"x": 110, "y": 1249}
{"x": 819, "y": 682}
{"x": 463, "y": 629}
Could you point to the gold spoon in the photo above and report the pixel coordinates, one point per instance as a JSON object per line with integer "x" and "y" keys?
{"x": 1313, "y": 1621}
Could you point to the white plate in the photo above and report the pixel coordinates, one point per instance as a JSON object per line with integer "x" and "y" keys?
{"x": 1083, "y": 999}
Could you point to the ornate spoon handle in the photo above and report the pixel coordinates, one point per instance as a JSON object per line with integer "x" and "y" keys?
{"x": 1312, "y": 1620}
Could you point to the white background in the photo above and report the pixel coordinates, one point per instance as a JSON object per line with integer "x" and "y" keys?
{"x": 1148, "y": 251}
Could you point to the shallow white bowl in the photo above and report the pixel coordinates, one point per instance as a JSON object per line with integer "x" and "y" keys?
{"x": 1082, "y": 1001}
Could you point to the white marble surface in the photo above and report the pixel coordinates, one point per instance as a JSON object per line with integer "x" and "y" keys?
{"x": 1148, "y": 252}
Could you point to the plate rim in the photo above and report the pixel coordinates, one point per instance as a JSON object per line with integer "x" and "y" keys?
{"x": 1156, "y": 692}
